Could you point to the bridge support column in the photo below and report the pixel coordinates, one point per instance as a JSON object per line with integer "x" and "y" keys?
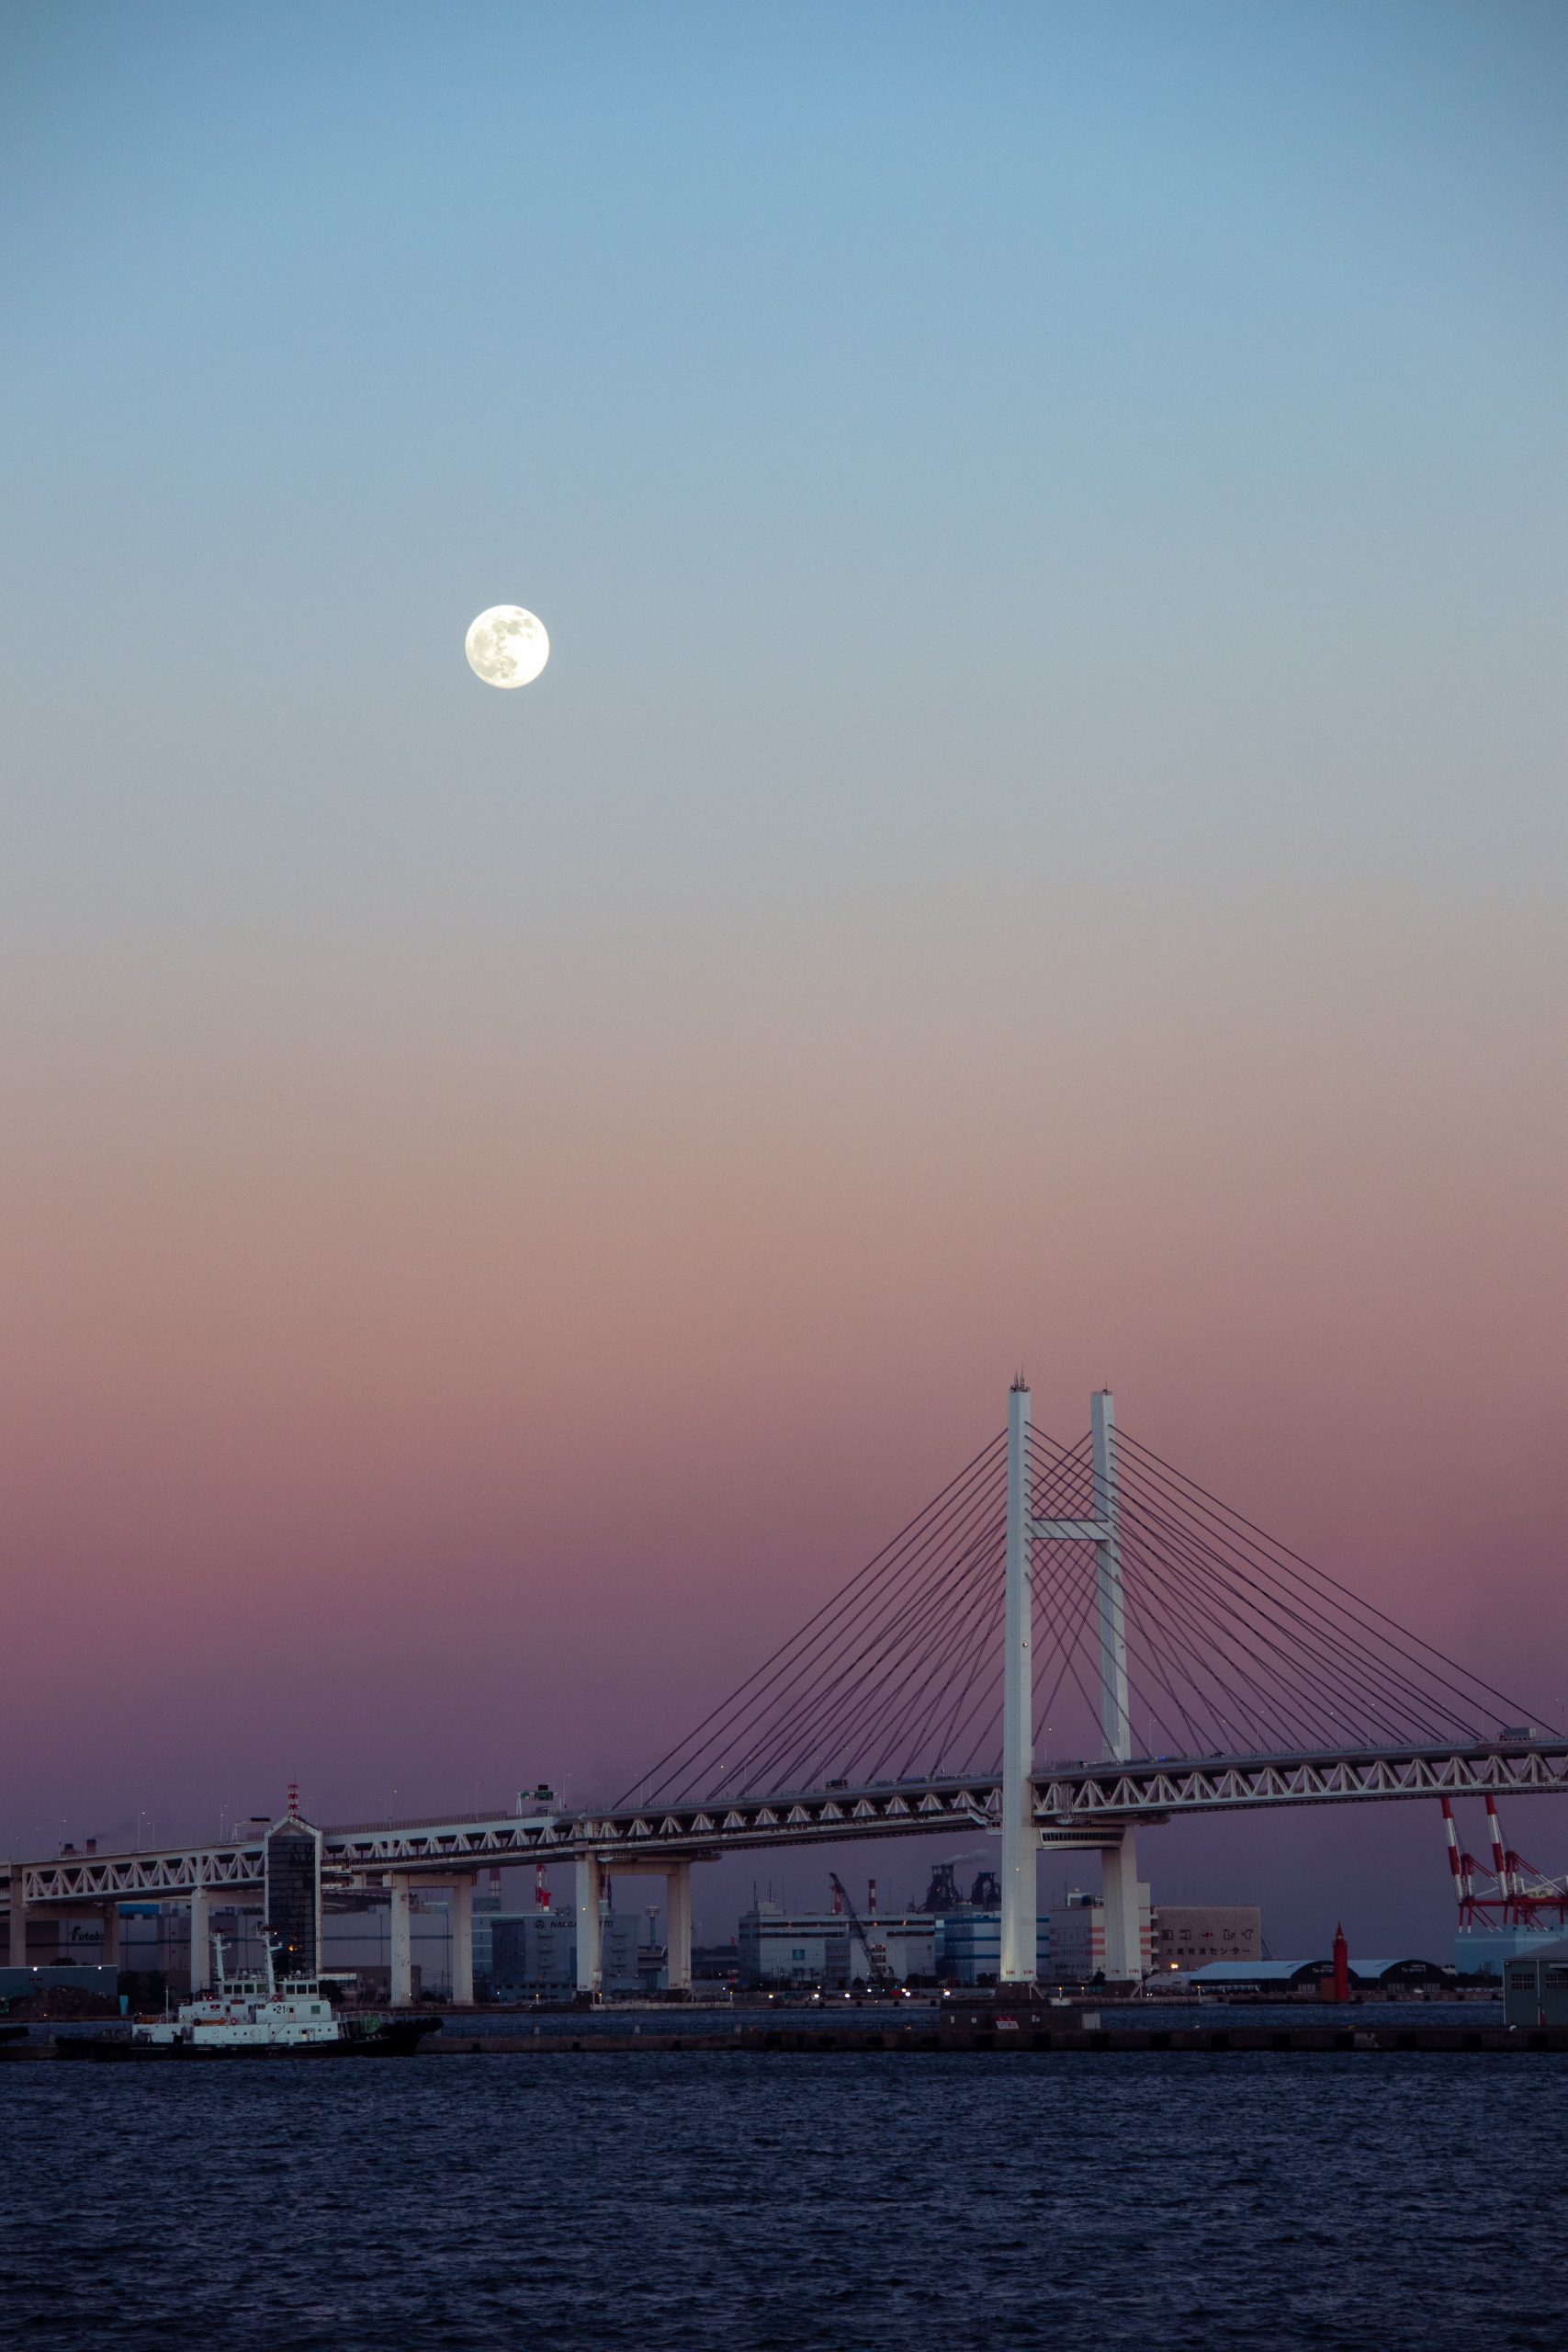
{"x": 463, "y": 1943}
{"x": 1020, "y": 1843}
{"x": 1127, "y": 1906}
{"x": 200, "y": 1941}
{"x": 401, "y": 1947}
{"x": 678, "y": 1926}
{"x": 18, "y": 1919}
{"x": 589, "y": 1934}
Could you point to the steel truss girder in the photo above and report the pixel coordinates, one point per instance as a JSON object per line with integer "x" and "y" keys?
{"x": 176, "y": 1870}
{"x": 1081, "y": 1799}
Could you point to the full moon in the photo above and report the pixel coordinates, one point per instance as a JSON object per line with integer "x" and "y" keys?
{"x": 506, "y": 646}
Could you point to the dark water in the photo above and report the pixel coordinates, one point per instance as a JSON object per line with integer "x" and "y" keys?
{"x": 1380, "y": 2204}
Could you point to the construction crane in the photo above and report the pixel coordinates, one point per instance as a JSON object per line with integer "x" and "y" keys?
{"x": 882, "y": 1976}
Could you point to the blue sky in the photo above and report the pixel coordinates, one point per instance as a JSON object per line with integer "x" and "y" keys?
{"x": 1166, "y": 397}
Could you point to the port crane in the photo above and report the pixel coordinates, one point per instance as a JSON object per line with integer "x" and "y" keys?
{"x": 1521, "y": 1895}
{"x": 882, "y": 1976}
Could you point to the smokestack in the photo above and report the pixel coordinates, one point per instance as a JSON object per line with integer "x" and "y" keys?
{"x": 541, "y": 1892}
{"x": 871, "y": 1898}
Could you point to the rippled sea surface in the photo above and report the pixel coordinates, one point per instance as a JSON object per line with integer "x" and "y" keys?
{"x": 1406, "y": 2204}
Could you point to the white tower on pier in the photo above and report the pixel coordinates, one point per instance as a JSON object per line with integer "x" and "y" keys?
{"x": 1021, "y": 1838}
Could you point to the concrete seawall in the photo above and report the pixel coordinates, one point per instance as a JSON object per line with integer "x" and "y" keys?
{"x": 745, "y": 2041}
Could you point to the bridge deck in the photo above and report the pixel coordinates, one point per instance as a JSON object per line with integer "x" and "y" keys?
{"x": 1084, "y": 1804}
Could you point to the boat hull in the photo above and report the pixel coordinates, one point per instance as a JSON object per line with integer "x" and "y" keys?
{"x": 395, "y": 2038}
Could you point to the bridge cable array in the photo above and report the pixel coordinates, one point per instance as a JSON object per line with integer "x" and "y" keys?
{"x": 1235, "y": 1645}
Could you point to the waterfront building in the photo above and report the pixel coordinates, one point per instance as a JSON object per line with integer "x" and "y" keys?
{"x": 534, "y": 1951}
{"x": 1485, "y": 1952}
{"x": 1535, "y": 1985}
{"x": 1076, "y": 1938}
{"x": 969, "y": 1945}
{"x": 61, "y": 1942}
{"x": 1281, "y": 1977}
{"x": 809, "y": 1948}
{"x": 1069, "y": 1942}
{"x": 1393, "y": 1978}
{"x": 485, "y": 1908}
{"x": 1188, "y": 1935}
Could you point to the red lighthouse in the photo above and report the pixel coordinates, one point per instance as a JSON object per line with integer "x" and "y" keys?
{"x": 1341, "y": 1966}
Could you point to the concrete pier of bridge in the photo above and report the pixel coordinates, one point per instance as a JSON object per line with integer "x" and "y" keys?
{"x": 23, "y": 1913}
{"x": 459, "y": 1886}
{"x": 594, "y": 1872}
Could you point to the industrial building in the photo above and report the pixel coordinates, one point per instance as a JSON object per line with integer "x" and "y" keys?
{"x": 64, "y": 1943}
{"x": 969, "y": 1945}
{"x": 1075, "y": 1938}
{"x": 830, "y": 1948}
{"x": 1486, "y": 1950}
{"x": 535, "y": 1952}
{"x": 1070, "y": 1940}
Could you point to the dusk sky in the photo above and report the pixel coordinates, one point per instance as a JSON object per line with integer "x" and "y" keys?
{"x": 1041, "y": 841}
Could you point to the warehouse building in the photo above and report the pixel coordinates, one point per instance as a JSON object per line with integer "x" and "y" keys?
{"x": 1535, "y": 1986}
{"x": 1391, "y": 1978}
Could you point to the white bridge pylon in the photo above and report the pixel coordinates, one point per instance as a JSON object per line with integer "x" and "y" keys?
{"x": 1022, "y": 1838}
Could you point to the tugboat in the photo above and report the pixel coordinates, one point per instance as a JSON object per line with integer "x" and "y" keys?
{"x": 250, "y": 2017}
{"x": 246, "y": 2014}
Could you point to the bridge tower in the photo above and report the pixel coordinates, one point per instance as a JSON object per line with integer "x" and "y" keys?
{"x": 1020, "y": 1839}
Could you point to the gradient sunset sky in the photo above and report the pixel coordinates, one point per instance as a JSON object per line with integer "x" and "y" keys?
{"x": 1041, "y": 841}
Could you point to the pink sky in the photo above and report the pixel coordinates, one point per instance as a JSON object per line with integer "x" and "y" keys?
{"x": 418, "y": 1385}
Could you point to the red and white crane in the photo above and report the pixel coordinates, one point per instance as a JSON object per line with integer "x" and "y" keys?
{"x": 1516, "y": 1893}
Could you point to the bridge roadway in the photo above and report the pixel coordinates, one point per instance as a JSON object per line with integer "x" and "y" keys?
{"x": 1077, "y": 1804}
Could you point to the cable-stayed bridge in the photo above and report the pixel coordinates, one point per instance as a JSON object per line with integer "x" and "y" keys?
{"x": 1068, "y": 1643}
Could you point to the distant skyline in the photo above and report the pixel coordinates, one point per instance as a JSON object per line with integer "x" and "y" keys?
{"x": 1040, "y": 841}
